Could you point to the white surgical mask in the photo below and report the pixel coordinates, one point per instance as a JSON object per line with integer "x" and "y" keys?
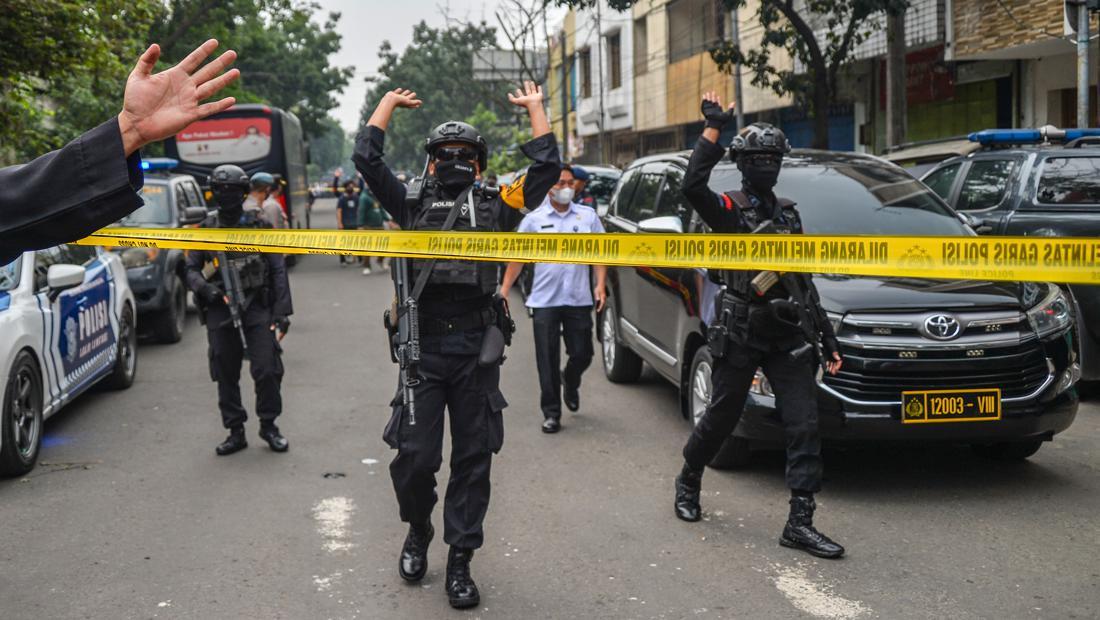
{"x": 562, "y": 196}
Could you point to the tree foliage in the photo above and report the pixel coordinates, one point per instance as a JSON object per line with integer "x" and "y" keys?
{"x": 63, "y": 63}
{"x": 820, "y": 35}
{"x": 438, "y": 66}
{"x": 503, "y": 138}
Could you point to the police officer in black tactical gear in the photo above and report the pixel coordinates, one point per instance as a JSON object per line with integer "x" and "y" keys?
{"x": 766, "y": 320}
{"x": 457, "y": 310}
{"x": 246, "y": 316}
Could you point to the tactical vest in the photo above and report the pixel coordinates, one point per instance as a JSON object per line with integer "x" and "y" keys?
{"x": 252, "y": 267}
{"x": 432, "y": 213}
{"x": 786, "y": 220}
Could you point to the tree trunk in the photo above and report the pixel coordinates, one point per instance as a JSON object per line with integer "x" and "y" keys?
{"x": 820, "y": 104}
{"x": 895, "y": 79}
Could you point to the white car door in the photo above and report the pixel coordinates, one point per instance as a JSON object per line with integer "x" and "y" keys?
{"x": 81, "y": 324}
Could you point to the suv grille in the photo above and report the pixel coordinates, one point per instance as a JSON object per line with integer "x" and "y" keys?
{"x": 887, "y": 354}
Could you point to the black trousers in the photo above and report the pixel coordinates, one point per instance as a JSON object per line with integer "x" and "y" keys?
{"x": 265, "y": 364}
{"x": 552, "y": 325}
{"x": 796, "y": 399}
{"x": 471, "y": 396}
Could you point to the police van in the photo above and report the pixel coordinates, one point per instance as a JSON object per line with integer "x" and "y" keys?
{"x": 67, "y": 323}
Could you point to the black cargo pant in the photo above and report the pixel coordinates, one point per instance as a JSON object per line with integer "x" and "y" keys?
{"x": 552, "y": 325}
{"x": 795, "y": 397}
{"x": 265, "y": 363}
{"x": 471, "y": 395}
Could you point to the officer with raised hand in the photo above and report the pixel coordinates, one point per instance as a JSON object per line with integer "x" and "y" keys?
{"x": 250, "y": 310}
{"x": 766, "y": 320}
{"x": 457, "y": 309}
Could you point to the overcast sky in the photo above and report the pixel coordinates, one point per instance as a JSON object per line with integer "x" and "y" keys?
{"x": 364, "y": 24}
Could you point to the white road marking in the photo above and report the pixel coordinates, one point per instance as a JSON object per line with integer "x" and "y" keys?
{"x": 370, "y": 461}
{"x": 816, "y": 599}
{"x": 333, "y": 516}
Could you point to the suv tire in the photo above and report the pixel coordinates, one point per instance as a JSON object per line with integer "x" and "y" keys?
{"x": 168, "y": 323}
{"x": 125, "y": 369}
{"x": 620, "y": 364}
{"x": 736, "y": 452}
{"x": 1007, "y": 451}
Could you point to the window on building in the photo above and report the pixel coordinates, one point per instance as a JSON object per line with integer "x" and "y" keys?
{"x": 693, "y": 27}
{"x": 586, "y": 72}
{"x": 641, "y": 47}
{"x": 615, "y": 59}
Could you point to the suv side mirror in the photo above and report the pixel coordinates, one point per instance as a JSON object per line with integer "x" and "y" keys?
{"x": 61, "y": 277}
{"x": 193, "y": 215}
{"x": 979, "y": 225}
{"x": 667, "y": 224}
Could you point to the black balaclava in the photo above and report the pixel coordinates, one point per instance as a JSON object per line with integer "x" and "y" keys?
{"x": 759, "y": 177}
{"x": 230, "y": 202}
{"x": 455, "y": 175}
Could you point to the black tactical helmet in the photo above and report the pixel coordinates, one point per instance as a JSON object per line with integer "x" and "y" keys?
{"x": 457, "y": 131}
{"x": 759, "y": 138}
{"x": 229, "y": 176}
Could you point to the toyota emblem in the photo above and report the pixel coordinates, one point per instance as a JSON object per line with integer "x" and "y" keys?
{"x": 942, "y": 327}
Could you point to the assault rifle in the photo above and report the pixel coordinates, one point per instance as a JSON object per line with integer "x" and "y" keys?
{"x": 403, "y": 324}
{"x": 231, "y": 283}
{"x": 796, "y": 312}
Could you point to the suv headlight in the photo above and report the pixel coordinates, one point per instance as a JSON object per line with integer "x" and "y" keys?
{"x": 137, "y": 257}
{"x": 1050, "y": 315}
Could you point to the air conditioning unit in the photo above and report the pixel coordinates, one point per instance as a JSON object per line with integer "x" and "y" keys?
{"x": 1069, "y": 14}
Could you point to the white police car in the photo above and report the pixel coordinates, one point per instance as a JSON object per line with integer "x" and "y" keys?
{"x": 67, "y": 322}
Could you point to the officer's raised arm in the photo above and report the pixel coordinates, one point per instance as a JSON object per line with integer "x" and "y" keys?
{"x": 711, "y": 206}
{"x": 368, "y": 152}
{"x": 530, "y": 189}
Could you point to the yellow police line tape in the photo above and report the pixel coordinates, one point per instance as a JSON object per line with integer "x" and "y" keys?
{"x": 1053, "y": 259}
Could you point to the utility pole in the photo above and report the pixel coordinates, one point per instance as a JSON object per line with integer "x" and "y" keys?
{"x": 564, "y": 86}
{"x": 1082, "y": 64}
{"x": 896, "y": 82}
{"x": 599, "y": 61}
{"x": 739, "y": 102}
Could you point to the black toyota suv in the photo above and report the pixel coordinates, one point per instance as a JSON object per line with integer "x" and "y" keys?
{"x": 1048, "y": 188}
{"x": 897, "y": 334}
{"x": 171, "y": 201}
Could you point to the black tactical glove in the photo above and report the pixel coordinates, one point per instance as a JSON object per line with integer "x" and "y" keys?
{"x": 830, "y": 345}
{"x": 282, "y": 324}
{"x": 716, "y": 117}
{"x": 211, "y": 294}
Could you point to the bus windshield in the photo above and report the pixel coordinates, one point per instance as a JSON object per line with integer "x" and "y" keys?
{"x": 220, "y": 140}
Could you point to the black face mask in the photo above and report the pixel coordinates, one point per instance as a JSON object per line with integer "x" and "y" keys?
{"x": 762, "y": 177}
{"x": 455, "y": 175}
{"x": 230, "y": 204}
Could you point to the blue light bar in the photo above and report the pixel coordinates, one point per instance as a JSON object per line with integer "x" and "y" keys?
{"x": 159, "y": 163}
{"x": 1048, "y": 133}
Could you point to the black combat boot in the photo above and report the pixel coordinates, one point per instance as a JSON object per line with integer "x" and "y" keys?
{"x": 414, "y": 555}
{"x": 234, "y": 443}
{"x": 461, "y": 589}
{"x": 270, "y": 433}
{"x": 801, "y": 534}
{"x": 688, "y": 485}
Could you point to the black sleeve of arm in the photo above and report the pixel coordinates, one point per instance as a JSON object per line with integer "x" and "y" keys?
{"x": 535, "y": 184}
{"x": 68, "y": 194}
{"x": 280, "y": 283}
{"x": 828, "y": 336}
{"x": 192, "y": 268}
{"x": 706, "y": 202}
{"x": 382, "y": 183}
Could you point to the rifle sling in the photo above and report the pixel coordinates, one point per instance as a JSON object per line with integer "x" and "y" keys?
{"x": 452, "y": 217}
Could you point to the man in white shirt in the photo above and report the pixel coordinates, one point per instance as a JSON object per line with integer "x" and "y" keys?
{"x": 561, "y": 299}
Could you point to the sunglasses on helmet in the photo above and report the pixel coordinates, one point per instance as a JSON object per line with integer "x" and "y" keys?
{"x": 460, "y": 153}
{"x": 763, "y": 159}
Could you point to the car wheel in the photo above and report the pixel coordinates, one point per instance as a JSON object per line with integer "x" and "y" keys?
{"x": 620, "y": 364}
{"x": 168, "y": 324}
{"x": 736, "y": 452}
{"x": 125, "y": 369}
{"x": 22, "y": 417}
{"x": 1007, "y": 451}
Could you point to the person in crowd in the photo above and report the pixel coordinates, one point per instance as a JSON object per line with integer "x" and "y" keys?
{"x": 580, "y": 183}
{"x": 372, "y": 217}
{"x": 259, "y": 200}
{"x": 347, "y": 215}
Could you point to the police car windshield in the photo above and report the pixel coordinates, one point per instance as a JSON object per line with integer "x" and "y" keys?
{"x": 156, "y": 210}
{"x": 9, "y": 275}
{"x": 852, "y": 197}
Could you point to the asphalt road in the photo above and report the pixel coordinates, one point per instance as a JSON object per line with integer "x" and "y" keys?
{"x": 131, "y": 515}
